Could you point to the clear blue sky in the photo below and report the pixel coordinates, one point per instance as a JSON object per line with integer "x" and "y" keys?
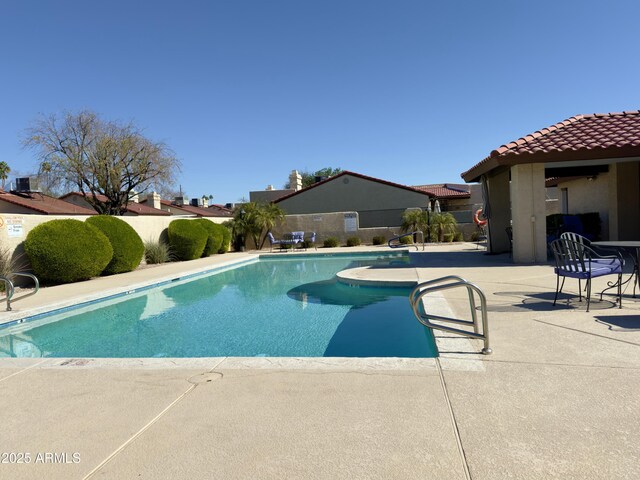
{"x": 245, "y": 91}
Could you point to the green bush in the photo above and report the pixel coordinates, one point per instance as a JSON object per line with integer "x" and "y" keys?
{"x": 214, "y": 238}
{"x": 353, "y": 241}
{"x": 187, "y": 239}
{"x": 331, "y": 242}
{"x": 308, "y": 244}
{"x": 156, "y": 252}
{"x": 127, "y": 246}
{"x": 458, "y": 237}
{"x": 406, "y": 240}
{"x": 448, "y": 237}
{"x": 65, "y": 251}
{"x": 379, "y": 240}
{"x": 226, "y": 238}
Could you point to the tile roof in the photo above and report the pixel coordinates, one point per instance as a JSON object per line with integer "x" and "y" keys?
{"x": 44, "y": 204}
{"x": 213, "y": 211}
{"x": 583, "y": 137}
{"x": 132, "y": 207}
{"x": 444, "y": 190}
{"x": 359, "y": 175}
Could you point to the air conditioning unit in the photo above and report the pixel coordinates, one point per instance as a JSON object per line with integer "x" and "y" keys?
{"x": 23, "y": 184}
{"x": 196, "y": 202}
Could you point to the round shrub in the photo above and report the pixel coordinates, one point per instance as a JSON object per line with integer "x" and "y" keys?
{"x": 379, "y": 240}
{"x": 406, "y": 240}
{"x": 226, "y": 237}
{"x": 353, "y": 241}
{"x": 126, "y": 243}
{"x": 331, "y": 242}
{"x": 214, "y": 239}
{"x": 187, "y": 239}
{"x": 65, "y": 251}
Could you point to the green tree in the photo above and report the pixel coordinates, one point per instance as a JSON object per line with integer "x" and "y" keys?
{"x": 99, "y": 157}
{"x": 442, "y": 224}
{"x": 254, "y": 220}
{"x": 309, "y": 178}
{"x": 414, "y": 220}
{"x": 4, "y": 172}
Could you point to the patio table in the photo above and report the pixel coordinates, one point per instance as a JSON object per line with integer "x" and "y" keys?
{"x": 631, "y": 248}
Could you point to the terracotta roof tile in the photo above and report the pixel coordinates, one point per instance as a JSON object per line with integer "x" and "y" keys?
{"x": 44, "y": 204}
{"x": 445, "y": 190}
{"x": 132, "y": 207}
{"x": 583, "y": 137}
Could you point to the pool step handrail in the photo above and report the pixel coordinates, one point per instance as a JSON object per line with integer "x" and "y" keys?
{"x": 398, "y": 245}
{"x": 447, "y": 283}
{"x": 10, "y": 289}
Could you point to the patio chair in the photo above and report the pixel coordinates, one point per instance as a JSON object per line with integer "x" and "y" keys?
{"x": 584, "y": 241}
{"x": 579, "y": 261}
{"x": 277, "y": 242}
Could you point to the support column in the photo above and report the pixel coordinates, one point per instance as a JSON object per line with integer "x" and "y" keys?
{"x": 500, "y": 213}
{"x": 528, "y": 213}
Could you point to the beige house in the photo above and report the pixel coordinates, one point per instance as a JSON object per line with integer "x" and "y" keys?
{"x": 594, "y": 161}
{"x": 378, "y": 203}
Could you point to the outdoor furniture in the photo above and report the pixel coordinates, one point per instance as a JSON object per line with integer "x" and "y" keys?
{"x": 632, "y": 248}
{"x": 293, "y": 239}
{"x": 579, "y": 261}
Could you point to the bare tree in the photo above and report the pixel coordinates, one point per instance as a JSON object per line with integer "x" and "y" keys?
{"x": 100, "y": 158}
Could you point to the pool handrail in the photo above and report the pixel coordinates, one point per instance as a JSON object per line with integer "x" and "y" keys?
{"x": 418, "y": 307}
{"x": 10, "y": 289}
{"x": 406, "y": 235}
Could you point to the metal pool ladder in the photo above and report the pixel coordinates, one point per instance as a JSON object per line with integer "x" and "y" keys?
{"x": 10, "y": 290}
{"x": 447, "y": 283}
{"x": 399, "y": 245}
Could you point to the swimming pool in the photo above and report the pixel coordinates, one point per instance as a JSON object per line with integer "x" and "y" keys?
{"x": 288, "y": 306}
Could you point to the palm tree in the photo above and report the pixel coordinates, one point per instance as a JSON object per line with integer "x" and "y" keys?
{"x": 269, "y": 215}
{"x": 414, "y": 220}
{"x": 4, "y": 172}
{"x": 442, "y": 224}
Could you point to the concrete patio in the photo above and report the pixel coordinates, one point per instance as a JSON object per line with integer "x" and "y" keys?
{"x": 558, "y": 398}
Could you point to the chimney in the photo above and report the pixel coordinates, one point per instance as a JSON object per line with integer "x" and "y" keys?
{"x": 269, "y": 188}
{"x": 205, "y": 202}
{"x": 153, "y": 200}
{"x": 295, "y": 180}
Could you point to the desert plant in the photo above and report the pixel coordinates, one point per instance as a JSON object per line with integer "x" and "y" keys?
{"x": 353, "y": 241}
{"x": 379, "y": 240}
{"x": 187, "y": 239}
{"x": 458, "y": 237}
{"x": 64, "y": 251}
{"x": 331, "y": 242}
{"x": 214, "y": 236}
{"x": 156, "y": 252}
{"x": 442, "y": 224}
{"x": 414, "y": 220}
{"x": 128, "y": 248}
{"x": 10, "y": 263}
{"x": 406, "y": 240}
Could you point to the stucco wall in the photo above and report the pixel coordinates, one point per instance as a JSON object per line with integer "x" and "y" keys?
{"x": 351, "y": 193}
{"x": 14, "y": 228}
{"x": 590, "y": 196}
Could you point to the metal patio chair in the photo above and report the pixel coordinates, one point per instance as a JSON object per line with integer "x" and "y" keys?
{"x": 576, "y": 260}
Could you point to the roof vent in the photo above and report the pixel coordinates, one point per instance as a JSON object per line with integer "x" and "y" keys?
{"x": 196, "y": 202}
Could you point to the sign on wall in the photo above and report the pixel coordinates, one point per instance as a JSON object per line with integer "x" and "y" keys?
{"x": 350, "y": 222}
{"x": 15, "y": 228}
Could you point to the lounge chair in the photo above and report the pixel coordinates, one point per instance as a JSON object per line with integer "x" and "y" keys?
{"x": 579, "y": 261}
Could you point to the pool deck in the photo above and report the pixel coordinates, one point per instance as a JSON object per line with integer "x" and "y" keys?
{"x": 558, "y": 398}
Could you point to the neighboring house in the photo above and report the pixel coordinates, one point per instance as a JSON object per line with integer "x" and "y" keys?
{"x": 181, "y": 206}
{"x": 594, "y": 161}
{"x": 133, "y": 208}
{"x": 458, "y": 199}
{"x": 38, "y": 204}
{"x": 379, "y": 203}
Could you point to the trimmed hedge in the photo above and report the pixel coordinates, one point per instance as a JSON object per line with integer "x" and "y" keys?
{"x": 353, "y": 241}
{"x": 226, "y": 238}
{"x": 187, "y": 239}
{"x": 379, "y": 240}
{"x": 127, "y": 245}
{"x": 406, "y": 240}
{"x": 65, "y": 251}
{"x": 331, "y": 242}
{"x": 214, "y": 237}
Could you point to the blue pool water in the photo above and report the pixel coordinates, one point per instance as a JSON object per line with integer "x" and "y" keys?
{"x": 287, "y": 306}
